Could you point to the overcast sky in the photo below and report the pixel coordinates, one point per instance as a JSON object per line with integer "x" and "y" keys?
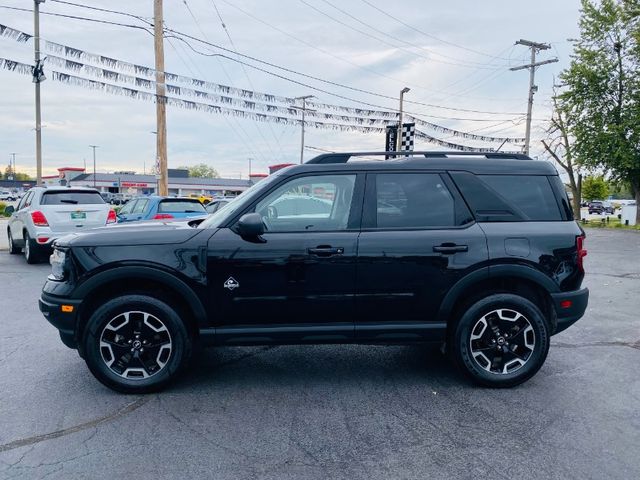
{"x": 457, "y": 55}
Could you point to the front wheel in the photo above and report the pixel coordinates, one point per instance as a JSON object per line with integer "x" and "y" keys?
{"x": 136, "y": 344}
{"x": 501, "y": 340}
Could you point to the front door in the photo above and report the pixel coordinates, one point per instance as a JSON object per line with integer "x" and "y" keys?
{"x": 297, "y": 282}
{"x": 418, "y": 239}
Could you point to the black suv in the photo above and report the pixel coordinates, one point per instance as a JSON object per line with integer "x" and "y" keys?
{"x": 479, "y": 252}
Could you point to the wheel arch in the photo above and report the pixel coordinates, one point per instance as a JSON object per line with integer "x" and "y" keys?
{"x": 142, "y": 280}
{"x": 517, "y": 279}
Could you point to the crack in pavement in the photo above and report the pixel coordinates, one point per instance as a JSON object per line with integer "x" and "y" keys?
{"x": 128, "y": 408}
{"x": 635, "y": 344}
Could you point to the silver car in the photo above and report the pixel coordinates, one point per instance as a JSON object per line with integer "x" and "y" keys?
{"x": 47, "y": 213}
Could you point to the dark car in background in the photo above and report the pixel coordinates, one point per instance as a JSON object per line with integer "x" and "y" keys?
{"x": 160, "y": 208}
{"x": 601, "y": 207}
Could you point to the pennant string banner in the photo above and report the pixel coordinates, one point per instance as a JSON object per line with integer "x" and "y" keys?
{"x": 144, "y": 77}
{"x": 226, "y": 108}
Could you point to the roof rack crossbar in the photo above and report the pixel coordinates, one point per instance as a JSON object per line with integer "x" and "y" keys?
{"x": 332, "y": 158}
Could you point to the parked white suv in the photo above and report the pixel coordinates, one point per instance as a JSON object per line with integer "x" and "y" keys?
{"x": 7, "y": 196}
{"x": 47, "y": 213}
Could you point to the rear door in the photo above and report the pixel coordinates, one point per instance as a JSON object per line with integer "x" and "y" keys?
{"x": 418, "y": 239}
{"x": 18, "y": 219}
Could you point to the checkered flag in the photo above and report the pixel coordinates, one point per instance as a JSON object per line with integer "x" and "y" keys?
{"x": 407, "y": 137}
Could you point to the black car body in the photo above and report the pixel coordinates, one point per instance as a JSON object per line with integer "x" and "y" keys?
{"x": 396, "y": 251}
{"x": 601, "y": 207}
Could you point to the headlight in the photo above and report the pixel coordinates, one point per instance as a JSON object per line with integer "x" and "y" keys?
{"x": 58, "y": 260}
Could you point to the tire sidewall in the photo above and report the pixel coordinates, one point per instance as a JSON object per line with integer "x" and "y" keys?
{"x": 462, "y": 336}
{"x": 30, "y": 249}
{"x": 12, "y": 246}
{"x": 180, "y": 349}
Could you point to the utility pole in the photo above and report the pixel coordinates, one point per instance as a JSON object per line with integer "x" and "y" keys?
{"x": 535, "y": 47}
{"x": 250, "y": 167}
{"x": 38, "y": 77}
{"x": 13, "y": 168}
{"x": 94, "y": 164}
{"x": 399, "y": 134}
{"x": 304, "y": 111}
{"x": 161, "y": 99}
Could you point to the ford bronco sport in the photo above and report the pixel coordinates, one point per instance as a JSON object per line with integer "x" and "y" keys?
{"x": 479, "y": 252}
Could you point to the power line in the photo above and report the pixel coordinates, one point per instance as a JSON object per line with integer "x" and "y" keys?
{"x": 428, "y": 35}
{"x": 288, "y": 70}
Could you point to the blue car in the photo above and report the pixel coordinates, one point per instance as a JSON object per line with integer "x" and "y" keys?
{"x": 160, "y": 208}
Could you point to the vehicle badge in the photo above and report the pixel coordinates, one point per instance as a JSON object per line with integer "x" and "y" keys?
{"x": 231, "y": 283}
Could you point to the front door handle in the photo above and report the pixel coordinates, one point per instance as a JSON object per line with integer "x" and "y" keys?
{"x": 326, "y": 251}
{"x": 449, "y": 248}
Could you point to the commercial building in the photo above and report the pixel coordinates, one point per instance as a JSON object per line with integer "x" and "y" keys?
{"x": 131, "y": 183}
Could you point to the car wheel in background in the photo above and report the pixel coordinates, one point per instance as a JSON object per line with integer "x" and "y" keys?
{"x": 31, "y": 249}
{"x": 136, "y": 344}
{"x": 13, "y": 250}
{"x": 501, "y": 340}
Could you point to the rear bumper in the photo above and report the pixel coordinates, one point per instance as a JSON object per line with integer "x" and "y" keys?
{"x": 65, "y": 322}
{"x": 569, "y": 307}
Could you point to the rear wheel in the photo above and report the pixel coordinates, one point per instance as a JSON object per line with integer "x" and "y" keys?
{"x": 31, "y": 249}
{"x": 13, "y": 250}
{"x": 501, "y": 340}
{"x": 136, "y": 344}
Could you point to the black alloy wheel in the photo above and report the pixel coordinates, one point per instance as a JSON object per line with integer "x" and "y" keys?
{"x": 136, "y": 344}
{"x": 501, "y": 340}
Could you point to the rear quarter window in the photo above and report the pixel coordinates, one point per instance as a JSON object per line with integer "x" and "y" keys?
{"x": 181, "y": 206}
{"x": 71, "y": 198}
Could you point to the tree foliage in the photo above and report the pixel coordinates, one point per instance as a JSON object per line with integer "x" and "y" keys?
{"x": 595, "y": 188}
{"x": 9, "y": 173}
{"x": 601, "y": 97}
{"x": 202, "y": 170}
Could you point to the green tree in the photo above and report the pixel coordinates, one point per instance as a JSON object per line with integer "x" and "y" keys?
{"x": 22, "y": 176}
{"x": 595, "y": 188}
{"x": 602, "y": 91}
{"x": 201, "y": 170}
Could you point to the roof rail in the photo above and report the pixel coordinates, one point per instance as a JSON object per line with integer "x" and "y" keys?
{"x": 327, "y": 158}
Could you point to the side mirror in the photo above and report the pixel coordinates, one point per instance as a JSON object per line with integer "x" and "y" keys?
{"x": 9, "y": 209}
{"x": 250, "y": 225}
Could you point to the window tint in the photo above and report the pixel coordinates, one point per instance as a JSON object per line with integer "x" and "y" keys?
{"x": 413, "y": 200}
{"x": 70, "y": 197}
{"x": 530, "y": 194}
{"x": 140, "y": 206}
{"x": 181, "y": 206}
{"x": 314, "y": 203}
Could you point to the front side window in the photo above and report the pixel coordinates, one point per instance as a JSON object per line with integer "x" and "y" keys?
{"x": 413, "y": 200}
{"x": 312, "y": 203}
{"x": 128, "y": 207}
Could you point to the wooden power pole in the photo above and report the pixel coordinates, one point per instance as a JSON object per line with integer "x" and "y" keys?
{"x": 161, "y": 100}
{"x": 535, "y": 47}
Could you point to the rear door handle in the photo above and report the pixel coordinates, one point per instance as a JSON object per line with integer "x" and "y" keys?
{"x": 326, "y": 251}
{"x": 449, "y": 248}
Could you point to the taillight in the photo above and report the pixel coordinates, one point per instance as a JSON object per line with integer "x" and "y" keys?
{"x": 39, "y": 219}
{"x": 111, "y": 217}
{"x": 582, "y": 252}
{"x": 162, "y": 216}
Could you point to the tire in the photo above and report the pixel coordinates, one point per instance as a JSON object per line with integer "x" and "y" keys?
{"x": 13, "y": 250}
{"x": 117, "y": 358}
{"x": 486, "y": 355}
{"x": 31, "y": 249}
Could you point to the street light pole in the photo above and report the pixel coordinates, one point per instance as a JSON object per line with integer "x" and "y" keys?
{"x": 94, "y": 164}
{"x": 402, "y": 92}
{"x": 13, "y": 168}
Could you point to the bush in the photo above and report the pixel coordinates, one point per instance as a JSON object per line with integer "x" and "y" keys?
{"x": 3, "y": 205}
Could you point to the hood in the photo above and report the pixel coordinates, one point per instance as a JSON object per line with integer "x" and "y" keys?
{"x": 129, "y": 234}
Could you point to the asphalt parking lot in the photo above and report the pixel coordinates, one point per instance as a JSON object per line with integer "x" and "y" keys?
{"x": 331, "y": 411}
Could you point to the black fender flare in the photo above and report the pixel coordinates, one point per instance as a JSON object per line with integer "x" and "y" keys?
{"x": 136, "y": 271}
{"x": 493, "y": 271}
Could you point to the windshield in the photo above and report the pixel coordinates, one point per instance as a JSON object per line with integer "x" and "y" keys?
{"x": 218, "y": 218}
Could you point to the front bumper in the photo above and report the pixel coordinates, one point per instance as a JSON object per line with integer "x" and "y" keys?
{"x": 65, "y": 321}
{"x": 569, "y": 307}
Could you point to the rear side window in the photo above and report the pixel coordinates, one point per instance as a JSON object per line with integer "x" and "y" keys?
{"x": 413, "y": 200}
{"x": 532, "y": 195}
{"x": 181, "y": 206}
{"x": 70, "y": 197}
